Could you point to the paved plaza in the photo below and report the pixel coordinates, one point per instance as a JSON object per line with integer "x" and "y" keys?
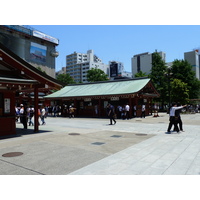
{"x": 89, "y": 146}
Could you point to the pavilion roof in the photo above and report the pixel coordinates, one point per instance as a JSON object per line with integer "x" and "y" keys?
{"x": 121, "y": 87}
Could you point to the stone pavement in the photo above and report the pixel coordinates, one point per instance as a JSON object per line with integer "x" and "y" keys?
{"x": 85, "y": 146}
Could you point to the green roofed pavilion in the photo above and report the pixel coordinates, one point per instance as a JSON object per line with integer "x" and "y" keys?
{"x": 86, "y": 97}
{"x": 101, "y": 88}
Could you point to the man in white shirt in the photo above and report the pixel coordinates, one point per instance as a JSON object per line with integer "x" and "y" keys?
{"x": 127, "y": 109}
{"x": 172, "y": 120}
{"x": 43, "y": 112}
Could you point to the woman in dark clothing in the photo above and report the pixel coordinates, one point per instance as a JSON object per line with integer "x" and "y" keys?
{"x": 111, "y": 113}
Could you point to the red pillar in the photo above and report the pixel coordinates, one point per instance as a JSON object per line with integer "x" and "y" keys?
{"x": 36, "y": 125}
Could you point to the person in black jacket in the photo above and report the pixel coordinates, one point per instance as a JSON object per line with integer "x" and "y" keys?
{"x": 178, "y": 119}
{"x": 172, "y": 118}
{"x": 23, "y": 115}
{"x": 111, "y": 113}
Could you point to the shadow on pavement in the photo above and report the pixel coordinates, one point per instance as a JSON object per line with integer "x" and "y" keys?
{"x": 20, "y": 132}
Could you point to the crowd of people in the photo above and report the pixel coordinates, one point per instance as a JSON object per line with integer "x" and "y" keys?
{"x": 25, "y": 114}
{"x": 123, "y": 112}
{"x": 193, "y": 108}
{"x": 175, "y": 121}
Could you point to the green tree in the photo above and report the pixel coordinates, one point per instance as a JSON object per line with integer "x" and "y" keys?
{"x": 179, "y": 91}
{"x": 40, "y": 69}
{"x": 95, "y": 74}
{"x": 182, "y": 70}
{"x": 158, "y": 77}
{"x": 65, "y": 78}
{"x": 140, "y": 74}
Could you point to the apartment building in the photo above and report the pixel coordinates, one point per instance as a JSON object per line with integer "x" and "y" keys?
{"x": 143, "y": 62}
{"x": 78, "y": 64}
{"x": 193, "y": 58}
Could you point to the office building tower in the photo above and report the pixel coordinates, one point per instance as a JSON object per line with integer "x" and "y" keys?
{"x": 143, "y": 62}
{"x": 35, "y": 47}
{"x": 193, "y": 58}
{"x": 117, "y": 70}
{"x": 78, "y": 64}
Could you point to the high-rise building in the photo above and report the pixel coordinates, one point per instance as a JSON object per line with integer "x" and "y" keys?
{"x": 143, "y": 62}
{"x": 78, "y": 64}
{"x": 193, "y": 58}
{"x": 117, "y": 70}
{"x": 33, "y": 46}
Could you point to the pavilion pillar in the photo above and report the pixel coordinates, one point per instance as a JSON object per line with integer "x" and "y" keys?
{"x": 137, "y": 106}
{"x": 36, "y": 123}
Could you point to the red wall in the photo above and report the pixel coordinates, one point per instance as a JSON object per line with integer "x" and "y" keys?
{"x": 7, "y": 120}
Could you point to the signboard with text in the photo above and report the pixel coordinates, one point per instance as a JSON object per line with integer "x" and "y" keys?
{"x": 45, "y": 37}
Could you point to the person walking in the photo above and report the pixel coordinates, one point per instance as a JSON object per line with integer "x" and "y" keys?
{"x": 172, "y": 119}
{"x": 43, "y": 113}
{"x": 134, "y": 111}
{"x": 17, "y": 113}
{"x": 127, "y": 110}
{"x": 54, "y": 110}
{"x": 143, "y": 111}
{"x": 65, "y": 110}
{"x": 178, "y": 118}
{"x": 111, "y": 114}
{"x": 30, "y": 115}
{"x": 123, "y": 114}
{"x": 119, "y": 112}
{"x": 71, "y": 111}
{"x": 23, "y": 116}
{"x": 96, "y": 110}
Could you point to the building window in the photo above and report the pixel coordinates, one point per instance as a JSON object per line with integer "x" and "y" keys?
{"x": 138, "y": 64}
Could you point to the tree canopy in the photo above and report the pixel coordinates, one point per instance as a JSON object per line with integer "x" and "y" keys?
{"x": 140, "y": 74}
{"x": 179, "y": 91}
{"x": 182, "y": 70}
{"x": 175, "y": 83}
{"x": 65, "y": 78}
{"x": 158, "y": 76}
{"x": 95, "y": 74}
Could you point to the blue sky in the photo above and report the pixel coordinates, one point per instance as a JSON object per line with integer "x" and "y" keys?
{"x": 121, "y": 42}
{"x": 115, "y": 30}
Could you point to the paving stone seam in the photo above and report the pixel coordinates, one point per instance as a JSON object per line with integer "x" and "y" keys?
{"x": 21, "y": 167}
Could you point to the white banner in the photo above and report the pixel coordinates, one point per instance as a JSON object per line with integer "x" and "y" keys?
{"x": 45, "y": 37}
